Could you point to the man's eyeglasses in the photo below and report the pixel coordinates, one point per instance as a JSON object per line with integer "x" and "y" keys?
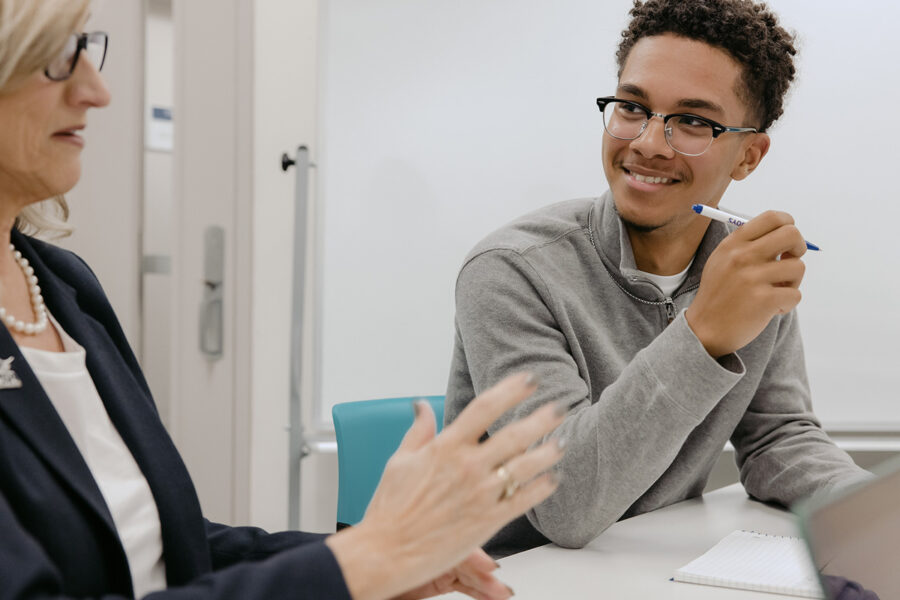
{"x": 686, "y": 134}
{"x": 92, "y": 45}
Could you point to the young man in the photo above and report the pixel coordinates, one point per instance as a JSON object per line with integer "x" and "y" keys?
{"x": 668, "y": 333}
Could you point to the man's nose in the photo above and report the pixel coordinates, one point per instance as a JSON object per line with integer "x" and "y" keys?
{"x": 652, "y": 142}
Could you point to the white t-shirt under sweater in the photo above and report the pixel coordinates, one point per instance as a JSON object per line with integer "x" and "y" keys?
{"x": 65, "y": 379}
{"x": 668, "y": 283}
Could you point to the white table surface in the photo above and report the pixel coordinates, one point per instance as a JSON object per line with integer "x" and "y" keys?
{"x": 636, "y": 558}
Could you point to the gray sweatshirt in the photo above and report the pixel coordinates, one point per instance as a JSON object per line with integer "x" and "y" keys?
{"x": 557, "y": 293}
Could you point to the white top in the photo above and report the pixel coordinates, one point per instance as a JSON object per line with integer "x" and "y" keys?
{"x": 65, "y": 379}
{"x": 667, "y": 283}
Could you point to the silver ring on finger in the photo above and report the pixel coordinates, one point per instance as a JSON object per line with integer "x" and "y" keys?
{"x": 510, "y": 485}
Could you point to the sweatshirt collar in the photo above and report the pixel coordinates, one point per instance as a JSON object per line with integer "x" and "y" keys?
{"x": 610, "y": 238}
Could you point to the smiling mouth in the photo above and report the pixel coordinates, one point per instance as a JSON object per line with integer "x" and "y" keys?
{"x": 649, "y": 178}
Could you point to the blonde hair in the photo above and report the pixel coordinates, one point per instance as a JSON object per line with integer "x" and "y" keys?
{"x": 32, "y": 34}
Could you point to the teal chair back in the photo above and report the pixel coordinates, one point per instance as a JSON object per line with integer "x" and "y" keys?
{"x": 368, "y": 432}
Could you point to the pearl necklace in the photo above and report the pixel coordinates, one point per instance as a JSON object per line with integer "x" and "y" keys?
{"x": 37, "y": 301}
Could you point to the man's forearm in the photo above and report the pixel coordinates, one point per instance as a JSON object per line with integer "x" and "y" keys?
{"x": 621, "y": 444}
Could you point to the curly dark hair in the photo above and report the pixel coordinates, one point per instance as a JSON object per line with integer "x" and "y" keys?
{"x": 746, "y": 30}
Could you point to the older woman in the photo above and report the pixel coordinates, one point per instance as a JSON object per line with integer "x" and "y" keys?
{"x": 94, "y": 499}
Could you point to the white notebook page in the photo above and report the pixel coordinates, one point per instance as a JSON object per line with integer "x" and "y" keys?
{"x": 756, "y": 561}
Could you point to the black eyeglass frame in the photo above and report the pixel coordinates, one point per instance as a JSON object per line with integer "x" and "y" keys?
{"x": 82, "y": 44}
{"x": 717, "y": 128}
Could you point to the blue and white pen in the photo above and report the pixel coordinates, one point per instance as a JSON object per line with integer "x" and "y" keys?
{"x": 720, "y": 215}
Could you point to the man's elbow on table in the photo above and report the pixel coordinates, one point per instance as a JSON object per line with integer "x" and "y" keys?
{"x": 572, "y": 532}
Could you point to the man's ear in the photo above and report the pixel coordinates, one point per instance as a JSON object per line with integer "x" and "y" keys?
{"x": 754, "y": 151}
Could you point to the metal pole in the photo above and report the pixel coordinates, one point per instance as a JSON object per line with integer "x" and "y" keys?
{"x": 297, "y": 442}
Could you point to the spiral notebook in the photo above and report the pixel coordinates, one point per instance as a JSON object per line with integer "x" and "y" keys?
{"x": 761, "y": 562}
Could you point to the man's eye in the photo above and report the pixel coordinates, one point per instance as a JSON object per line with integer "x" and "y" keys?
{"x": 631, "y": 110}
{"x": 690, "y": 121}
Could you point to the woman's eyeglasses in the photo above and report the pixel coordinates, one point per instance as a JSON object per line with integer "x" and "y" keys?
{"x": 92, "y": 45}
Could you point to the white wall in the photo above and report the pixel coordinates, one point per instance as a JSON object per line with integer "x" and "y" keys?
{"x": 285, "y": 116}
{"x": 158, "y": 208}
{"x": 106, "y": 204}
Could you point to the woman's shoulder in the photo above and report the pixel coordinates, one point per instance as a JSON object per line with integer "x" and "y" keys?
{"x": 64, "y": 265}
{"x": 56, "y": 258}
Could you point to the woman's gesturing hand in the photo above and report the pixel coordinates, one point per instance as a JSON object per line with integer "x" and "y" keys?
{"x": 472, "y": 577}
{"x": 441, "y": 497}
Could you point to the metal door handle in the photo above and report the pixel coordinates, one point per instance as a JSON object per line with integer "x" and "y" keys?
{"x": 211, "y": 307}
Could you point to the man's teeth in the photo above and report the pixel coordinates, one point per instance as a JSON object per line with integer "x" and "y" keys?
{"x": 645, "y": 179}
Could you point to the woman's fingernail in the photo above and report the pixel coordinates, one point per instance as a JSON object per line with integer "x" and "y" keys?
{"x": 531, "y": 380}
{"x": 417, "y": 408}
{"x": 511, "y": 592}
{"x": 561, "y": 407}
{"x": 561, "y": 443}
{"x": 496, "y": 564}
{"x": 554, "y": 477}
{"x": 565, "y": 405}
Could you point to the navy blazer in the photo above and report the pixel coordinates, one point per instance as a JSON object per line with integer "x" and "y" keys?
{"x": 57, "y": 538}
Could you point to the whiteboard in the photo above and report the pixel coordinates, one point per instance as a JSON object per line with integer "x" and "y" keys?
{"x": 440, "y": 121}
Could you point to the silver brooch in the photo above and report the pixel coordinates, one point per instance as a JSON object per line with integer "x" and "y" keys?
{"x": 8, "y": 378}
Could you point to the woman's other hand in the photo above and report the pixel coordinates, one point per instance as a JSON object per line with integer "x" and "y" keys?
{"x": 473, "y": 577}
{"x": 441, "y": 497}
